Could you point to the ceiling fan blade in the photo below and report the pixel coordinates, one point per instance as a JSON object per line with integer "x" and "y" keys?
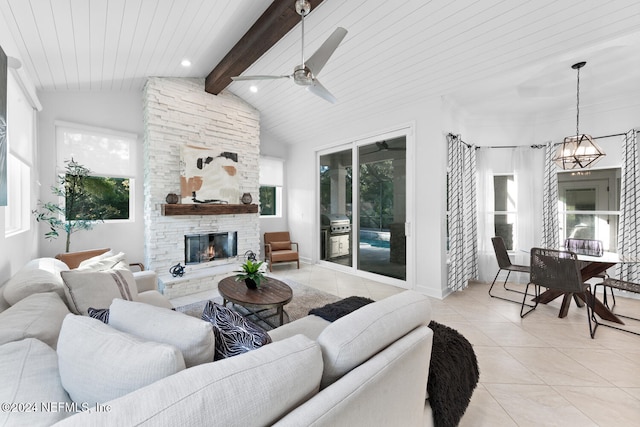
{"x": 239, "y": 78}
{"x": 320, "y": 57}
{"x": 317, "y": 89}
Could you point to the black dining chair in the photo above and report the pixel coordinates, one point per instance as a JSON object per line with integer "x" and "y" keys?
{"x": 590, "y": 247}
{"x": 504, "y": 263}
{"x": 622, "y": 285}
{"x": 554, "y": 269}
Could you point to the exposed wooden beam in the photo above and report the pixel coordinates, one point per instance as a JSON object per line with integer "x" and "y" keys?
{"x": 273, "y": 24}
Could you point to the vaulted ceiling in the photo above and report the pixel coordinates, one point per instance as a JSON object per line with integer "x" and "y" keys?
{"x": 508, "y": 57}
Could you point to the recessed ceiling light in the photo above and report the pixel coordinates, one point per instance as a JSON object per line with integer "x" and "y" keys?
{"x": 185, "y": 63}
{"x": 253, "y": 88}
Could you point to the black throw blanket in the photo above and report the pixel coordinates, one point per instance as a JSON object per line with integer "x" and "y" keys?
{"x": 453, "y": 372}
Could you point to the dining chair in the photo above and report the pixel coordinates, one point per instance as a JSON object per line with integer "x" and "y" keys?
{"x": 554, "y": 269}
{"x": 589, "y": 247}
{"x": 622, "y": 285}
{"x": 504, "y": 263}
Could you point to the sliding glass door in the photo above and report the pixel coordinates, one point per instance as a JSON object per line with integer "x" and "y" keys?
{"x": 336, "y": 216}
{"x": 363, "y": 207}
{"x": 382, "y": 208}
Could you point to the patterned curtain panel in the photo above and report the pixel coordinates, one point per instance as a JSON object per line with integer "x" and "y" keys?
{"x": 550, "y": 226}
{"x": 463, "y": 230}
{"x": 629, "y": 225}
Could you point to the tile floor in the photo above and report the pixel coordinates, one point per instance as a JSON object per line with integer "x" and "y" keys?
{"x": 536, "y": 371}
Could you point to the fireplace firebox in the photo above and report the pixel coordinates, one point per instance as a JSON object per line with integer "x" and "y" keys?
{"x": 199, "y": 248}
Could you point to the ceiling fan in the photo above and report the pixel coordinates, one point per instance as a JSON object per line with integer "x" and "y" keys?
{"x": 305, "y": 73}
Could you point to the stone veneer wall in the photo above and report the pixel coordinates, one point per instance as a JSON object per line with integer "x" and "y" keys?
{"x": 178, "y": 111}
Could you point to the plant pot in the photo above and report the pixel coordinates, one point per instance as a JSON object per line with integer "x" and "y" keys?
{"x": 251, "y": 284}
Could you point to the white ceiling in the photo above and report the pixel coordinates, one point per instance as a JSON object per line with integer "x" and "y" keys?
{"x": 510, "y": 57}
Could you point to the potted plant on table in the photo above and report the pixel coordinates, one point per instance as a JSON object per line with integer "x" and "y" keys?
{"x": 252, "y": 273}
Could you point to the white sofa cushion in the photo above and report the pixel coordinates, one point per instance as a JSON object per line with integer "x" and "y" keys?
{"x": 37, "y": 276}
{"x": 98, "y": 363}
{"x": 37, "y": 316}
{"x": 105, "y": 261}
{"x": 252, "y": 389}
{"x": 354, "y": 338}
{"x": 154, "y": 298}
{"x": 29, "y": 376}
{"x": 97, "y": 289}
{"x": 192, "y": 336}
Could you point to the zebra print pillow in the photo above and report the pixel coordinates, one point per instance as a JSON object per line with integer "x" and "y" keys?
{"x": 234, "y": 334}
{"x": 101, "y": 314}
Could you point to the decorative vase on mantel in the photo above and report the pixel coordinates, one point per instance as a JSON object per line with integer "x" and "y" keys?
{"x": 251, "y": 284}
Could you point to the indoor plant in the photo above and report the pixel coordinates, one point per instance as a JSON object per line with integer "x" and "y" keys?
{"x": 252, "y": 273}
{"x": 66, "y": 214}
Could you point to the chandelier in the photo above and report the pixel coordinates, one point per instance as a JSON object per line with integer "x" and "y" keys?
{"x": 578, "y": 151}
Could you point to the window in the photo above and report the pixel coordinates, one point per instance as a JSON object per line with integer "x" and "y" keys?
{"x": 505, "y": 210}
{"x": 589, "y": 205}
{"x": 111, "y": 158}
{"x": 20, "y": 139}
{"x": 271, "y": 181}
{"x": 17, "y": 218}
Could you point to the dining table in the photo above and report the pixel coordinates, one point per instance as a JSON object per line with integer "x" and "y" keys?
{"x": 591, "y": 267}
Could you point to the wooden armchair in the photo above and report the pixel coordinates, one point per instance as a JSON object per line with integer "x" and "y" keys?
{"x": 73, "y": 259}
{"x": 278, "y": 247}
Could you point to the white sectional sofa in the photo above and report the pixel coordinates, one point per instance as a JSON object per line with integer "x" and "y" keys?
{"x": 367, "y": 368}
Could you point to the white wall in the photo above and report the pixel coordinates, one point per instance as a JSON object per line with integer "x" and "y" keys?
{"x": 120, "y": 111}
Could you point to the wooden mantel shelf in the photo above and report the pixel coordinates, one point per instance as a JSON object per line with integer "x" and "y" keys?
{"x": 207, "y": 209}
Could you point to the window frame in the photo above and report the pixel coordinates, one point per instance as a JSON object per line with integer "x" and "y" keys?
{"x": 92, "y": 131}
{"x": 272, "y": 178}
{"x": 581, "y": 180}
{"x": 509, "y": 213}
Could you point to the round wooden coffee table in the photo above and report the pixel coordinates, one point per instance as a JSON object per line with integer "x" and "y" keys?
{"x": 271, "y": 294}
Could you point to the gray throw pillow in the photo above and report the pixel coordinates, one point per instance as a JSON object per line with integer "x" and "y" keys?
{"x": 234, "y": 334}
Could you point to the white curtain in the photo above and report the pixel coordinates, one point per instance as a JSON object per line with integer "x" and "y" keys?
{"x": 528, "y": 169}
{"x": 527, "y": 165}
{"x": 550, "y": 222}
{"x": 463, "y": 234}
{"x": 629, "y": 224}
{"x": 487, "y": 264}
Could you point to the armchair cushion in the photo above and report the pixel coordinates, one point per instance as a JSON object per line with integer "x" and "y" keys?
{"x": 101, "y": 262}
{"x": 281, "y": 246}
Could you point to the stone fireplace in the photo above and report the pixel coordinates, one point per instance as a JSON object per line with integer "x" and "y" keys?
{"x": 178, "y": 112}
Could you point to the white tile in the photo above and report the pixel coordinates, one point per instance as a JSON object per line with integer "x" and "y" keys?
{"x": 537, "y": 405}
{"x": 607, "y": 406}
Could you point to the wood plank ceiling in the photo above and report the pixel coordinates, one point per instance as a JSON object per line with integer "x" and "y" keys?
{"x": 500, "y": 57}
